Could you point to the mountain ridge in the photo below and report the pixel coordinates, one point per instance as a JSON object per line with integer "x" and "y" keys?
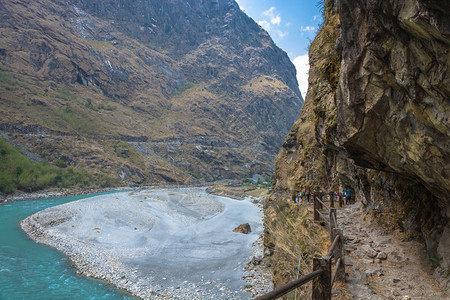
{"x": 77, "y": 81}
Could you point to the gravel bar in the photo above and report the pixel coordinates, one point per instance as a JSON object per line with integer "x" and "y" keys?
{"x": 174, "y": 243}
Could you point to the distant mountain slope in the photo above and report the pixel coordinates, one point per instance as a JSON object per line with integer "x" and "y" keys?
{"x": 146, "y": 91}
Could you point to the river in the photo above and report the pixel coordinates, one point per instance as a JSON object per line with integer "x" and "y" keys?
{"x": 175, "y": 242}
{"x": 34, "y": 271}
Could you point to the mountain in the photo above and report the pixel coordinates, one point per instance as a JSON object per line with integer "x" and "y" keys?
{"x": 145, "y": 91}
{"x": 376, "y": 119}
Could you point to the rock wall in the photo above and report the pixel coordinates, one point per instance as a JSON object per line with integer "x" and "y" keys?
{"x": 393, "y": 97}
{"x": 376, "y": 117}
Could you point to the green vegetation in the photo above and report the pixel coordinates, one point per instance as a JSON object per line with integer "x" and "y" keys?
{"x": 10, "y": 83}
{"x": 101, "y": 106}
{"x": 247, "y": 180}
{"x": 108, "y": 107}
{"x": 184, "y": 88}
{"x": 65, "y": 94}
{"x": 154, "y": 48}
{"x": 124, "y": 150}
{"x": 74, "y": 119}
{"x": 7, "y": 81}
{"x": 194, "y": 174}
{"x": 17, "y": 172}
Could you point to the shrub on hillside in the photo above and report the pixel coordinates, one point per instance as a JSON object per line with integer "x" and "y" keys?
{"x": 17, "y": 172}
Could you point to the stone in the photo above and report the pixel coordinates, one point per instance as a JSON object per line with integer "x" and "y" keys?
{"x": 369, "y": 251}
{"x": 443, "y": 249}
{"x": 256, "y": 260}
{"x": 382, "y": 256}
{"x": 243, "y": 228}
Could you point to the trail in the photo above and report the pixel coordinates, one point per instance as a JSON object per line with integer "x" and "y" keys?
{"x": 381, "y": 265}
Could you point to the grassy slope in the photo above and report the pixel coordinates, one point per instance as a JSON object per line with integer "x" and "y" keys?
{"x": 17, "y": 172}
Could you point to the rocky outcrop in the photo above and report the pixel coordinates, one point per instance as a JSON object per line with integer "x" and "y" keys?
{"x": 188, "y": 79}
{"x": 243, "y": 228}
{"x": 376, "y": 119}
{"x": 394, "y": 95}
{"x": 395, "y": 87}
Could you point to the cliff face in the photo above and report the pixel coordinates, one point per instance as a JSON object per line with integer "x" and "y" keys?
{"x": 376, "y": 117}
{"x": 395, "y": 88}
{"x": 146, "y": 91}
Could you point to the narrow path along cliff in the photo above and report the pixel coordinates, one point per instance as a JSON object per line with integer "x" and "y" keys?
{"x": 381, "y": 265}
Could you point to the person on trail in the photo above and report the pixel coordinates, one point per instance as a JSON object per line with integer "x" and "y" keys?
{"x": 308, "y": 194}
{"x": 300, "y": 196}
{"x": 344, "y": 194}
{"x": 349, "y": 195}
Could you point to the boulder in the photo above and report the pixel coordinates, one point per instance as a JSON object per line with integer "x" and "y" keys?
{"x": 243, "y": 228}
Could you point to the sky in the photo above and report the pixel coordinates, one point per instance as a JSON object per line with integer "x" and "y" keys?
{"x": 292, "y": 24}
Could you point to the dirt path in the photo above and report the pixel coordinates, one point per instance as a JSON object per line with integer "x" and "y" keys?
{"x": 380, "y": 265}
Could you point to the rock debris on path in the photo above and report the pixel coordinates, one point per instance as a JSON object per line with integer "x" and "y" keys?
{"x": 382, "y": 266}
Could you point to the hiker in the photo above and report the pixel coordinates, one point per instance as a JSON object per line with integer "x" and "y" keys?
{"x": 300, "y": 196}
{"x": 349, "y": 195}
{"x": 344, "y": 194}
{"x": 308, "y": 194}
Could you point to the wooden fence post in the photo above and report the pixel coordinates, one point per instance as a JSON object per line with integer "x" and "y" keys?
{"x": 321, "y": 288}
{"x": 316, "y": 207}
{"x": 321, "y": 199}
{"x": 339, "y": 253}
{"x": 332, "y": 223}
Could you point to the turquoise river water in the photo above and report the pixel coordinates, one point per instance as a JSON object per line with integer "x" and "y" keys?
{"x": 34, "y": 271}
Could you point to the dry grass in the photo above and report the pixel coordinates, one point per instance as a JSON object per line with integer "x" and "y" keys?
{"x": 290, "y": 232}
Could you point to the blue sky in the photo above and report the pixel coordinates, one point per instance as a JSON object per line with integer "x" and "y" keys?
{"x": 292, "y": 24}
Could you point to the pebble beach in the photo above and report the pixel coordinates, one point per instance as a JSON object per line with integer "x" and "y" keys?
{"x": 172, "y": 243}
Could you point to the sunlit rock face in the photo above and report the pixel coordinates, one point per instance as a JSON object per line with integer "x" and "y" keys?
{"x": 395, "y": 88}
{"x": 394, "y": 96}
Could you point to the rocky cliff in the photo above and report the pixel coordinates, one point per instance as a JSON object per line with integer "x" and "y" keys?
{"x": 145, "y": 91}
{"x": 376, "y": 118}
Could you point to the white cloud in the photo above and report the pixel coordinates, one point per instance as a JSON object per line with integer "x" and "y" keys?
{"x": 270, "y": 12}
{"x": 275, "y": 18}
{"x": 264, "y": 24}
{"x": 301, "y": 63}
{"x": 307, "y": 28}
{"x": 282, "y": 34}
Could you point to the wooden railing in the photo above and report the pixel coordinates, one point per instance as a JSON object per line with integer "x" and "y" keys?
{"x": 326, "y": 268}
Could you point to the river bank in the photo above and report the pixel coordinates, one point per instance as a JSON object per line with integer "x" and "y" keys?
{"x": 94, "y": 241}
{"x": 64, "y": 192}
